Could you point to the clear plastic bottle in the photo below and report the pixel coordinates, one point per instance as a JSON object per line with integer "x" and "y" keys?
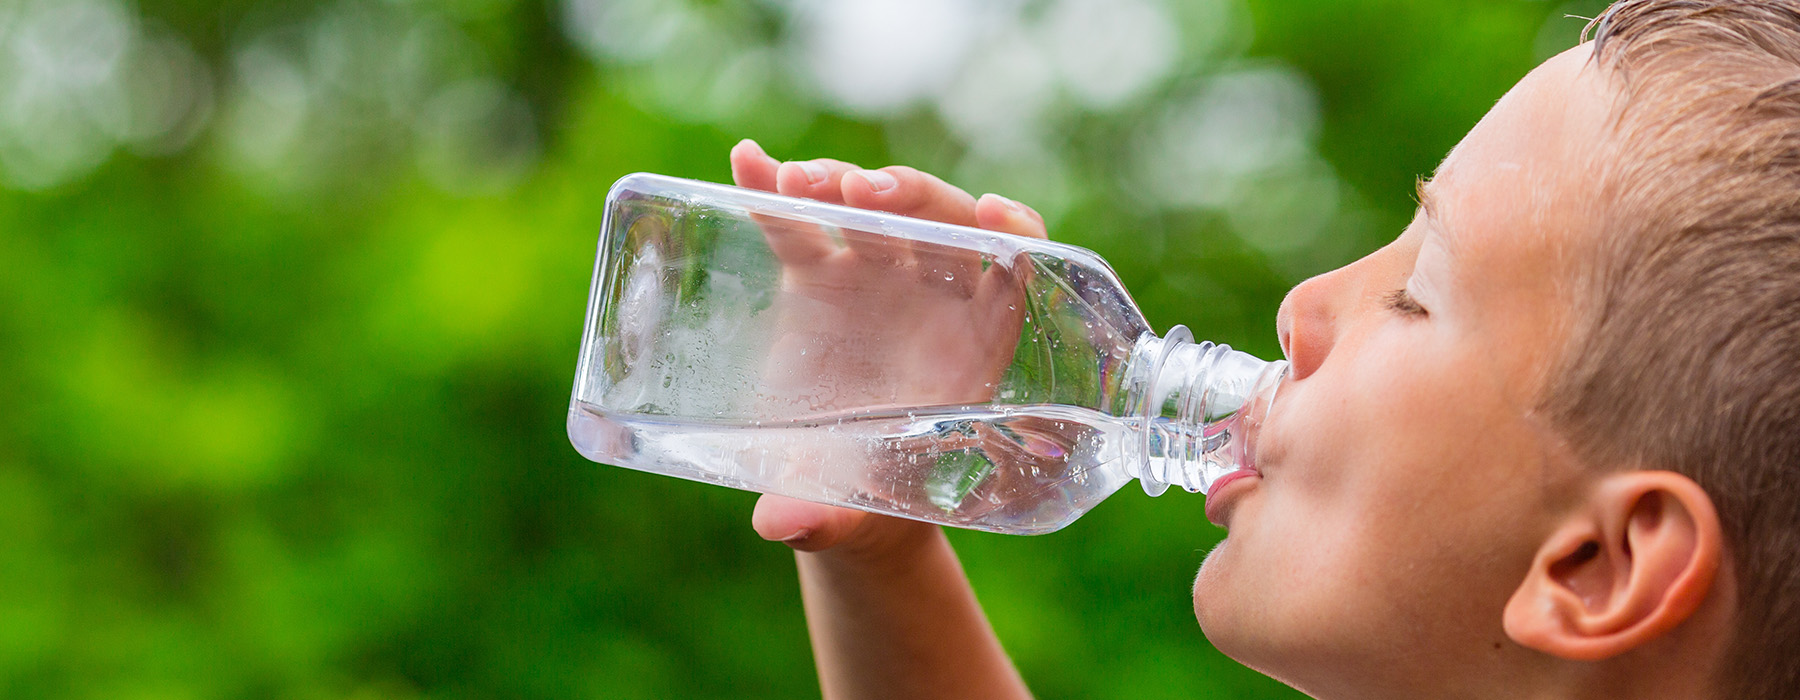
{"x": 898, "y": 366}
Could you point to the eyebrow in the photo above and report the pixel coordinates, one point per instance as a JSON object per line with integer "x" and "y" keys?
{"x": 1429, "y": 203}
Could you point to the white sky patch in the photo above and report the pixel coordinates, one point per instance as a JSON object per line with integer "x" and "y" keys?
{"x": 1243, "y": 145}
{"x": 1109, "y": 51}
{"x": 716, "y": 76}
{"x": 625, "y": 30}
{"x": 268, "y": 110}
{"x": 58, "y": 63}
{"x": 79, "y": 78}
{"x": 880, "y": 57}
{"x": 1236, "y": 127}
{"x": 167, "y": 96}
{"x": 997, "y": 103}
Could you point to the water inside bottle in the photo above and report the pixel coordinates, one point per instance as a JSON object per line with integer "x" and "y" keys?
{"x": 1012, "y": 469}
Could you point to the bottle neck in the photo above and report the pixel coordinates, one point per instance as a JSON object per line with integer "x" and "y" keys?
{"x": 1198, "y": 409}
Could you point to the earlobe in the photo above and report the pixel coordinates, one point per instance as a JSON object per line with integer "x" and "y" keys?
{"x": 1633, "y": 562}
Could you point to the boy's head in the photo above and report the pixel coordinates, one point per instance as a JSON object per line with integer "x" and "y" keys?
{"x": 1548, "y": 440}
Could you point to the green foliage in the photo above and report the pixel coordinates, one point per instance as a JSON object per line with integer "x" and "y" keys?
{"x": 292, "y": 427}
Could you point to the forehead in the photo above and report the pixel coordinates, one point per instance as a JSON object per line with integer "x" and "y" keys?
{"x": 1515, "y": 202}
{"x": 1516, "y": 198}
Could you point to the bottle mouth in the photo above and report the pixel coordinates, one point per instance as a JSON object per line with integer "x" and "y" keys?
{"x": 1201, "y": 410}
{"x": 1257, "y": 411}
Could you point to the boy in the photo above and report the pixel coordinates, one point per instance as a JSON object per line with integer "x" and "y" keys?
{"x": 1543, "y": 444}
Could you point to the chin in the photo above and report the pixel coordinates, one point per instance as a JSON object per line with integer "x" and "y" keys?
{"x": 1249, "y": 641}
{"x": 1302, "y": 651}
{"x": 1236, "y": 620}
{"x": 1218, "y": 608}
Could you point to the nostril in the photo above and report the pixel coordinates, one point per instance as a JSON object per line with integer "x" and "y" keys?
{"x": 1305, "y": 326}
{"x": 1284, "y": 325}
{"x": 1305, "y": 352}
{"x": 1282, "y": 332}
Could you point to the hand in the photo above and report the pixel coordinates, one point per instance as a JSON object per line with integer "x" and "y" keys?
{"x": 868, "y": 278}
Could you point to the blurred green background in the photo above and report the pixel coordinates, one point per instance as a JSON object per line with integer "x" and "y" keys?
{"x": 291, "y": 294}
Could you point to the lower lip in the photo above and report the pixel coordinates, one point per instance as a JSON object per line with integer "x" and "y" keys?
{"x": 1218, "y": 496}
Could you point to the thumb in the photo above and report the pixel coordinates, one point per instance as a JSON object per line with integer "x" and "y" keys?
{"x": 803, "y": 525}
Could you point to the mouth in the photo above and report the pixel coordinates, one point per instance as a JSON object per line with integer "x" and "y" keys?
{"x": 1227, "y": 489}
{"x": 1221, "y": 499}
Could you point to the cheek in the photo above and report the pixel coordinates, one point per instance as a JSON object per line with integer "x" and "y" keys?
{"x": 1394, "y": 500}
{"x": 1394, "y": 415}
{"x": 1351, "y": 426}
{"x": 1393, "y": 458}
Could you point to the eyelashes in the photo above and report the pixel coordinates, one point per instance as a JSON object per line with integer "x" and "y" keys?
{"x": 1402, "y": 303}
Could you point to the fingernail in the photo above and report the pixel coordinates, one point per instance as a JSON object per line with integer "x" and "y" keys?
{"x": 815, "y": 173}
{"x": 754, "y": 146}
{"x": 796, "y": 537}
{"x": 878, "y": 180}
{"x": 1015, "y": 206}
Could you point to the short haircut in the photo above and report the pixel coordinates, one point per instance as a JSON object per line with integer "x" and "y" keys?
{"x": 1685, "y": 354}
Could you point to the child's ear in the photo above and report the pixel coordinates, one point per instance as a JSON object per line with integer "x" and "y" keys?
{"x": 1628, "y": 566}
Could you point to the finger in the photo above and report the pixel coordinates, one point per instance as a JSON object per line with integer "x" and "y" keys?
{"x": 796, "y": 242}
{"x": 996, "y": 213}
{"x": 879, "y": 190}
{"x": 909, "y": 192}
{"x": 793, "y": 242}
{"x": 880, "y": 250}
{"x": 805, "y": 526}
{"x": 800, "y": 241}
{"x": 818, "y": 179}
{"x": 751, "y": 167}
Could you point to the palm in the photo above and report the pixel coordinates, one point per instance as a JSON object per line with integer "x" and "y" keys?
{"x": 867, "y": 327}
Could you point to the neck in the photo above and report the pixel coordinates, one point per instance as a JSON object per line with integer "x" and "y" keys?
{"x": 1686, "y": 663}
{"x": 1683, "y": 664}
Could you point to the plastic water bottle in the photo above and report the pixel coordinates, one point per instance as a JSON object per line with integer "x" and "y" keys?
{"x": 899, "y": 366}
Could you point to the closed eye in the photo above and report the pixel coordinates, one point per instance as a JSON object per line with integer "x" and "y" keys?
{"x": 1402, "y": 303}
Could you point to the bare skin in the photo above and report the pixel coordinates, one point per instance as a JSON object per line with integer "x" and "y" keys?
{"x": 849, "y": 309}
{"x": 888, "y": 607}
{"x": 1416, "y": 531}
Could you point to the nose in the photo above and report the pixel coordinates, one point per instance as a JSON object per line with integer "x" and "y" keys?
{"x": 1307, "y": 323}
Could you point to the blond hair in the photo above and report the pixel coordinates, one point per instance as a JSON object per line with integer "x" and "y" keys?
{"x": 1687, "y": 352}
